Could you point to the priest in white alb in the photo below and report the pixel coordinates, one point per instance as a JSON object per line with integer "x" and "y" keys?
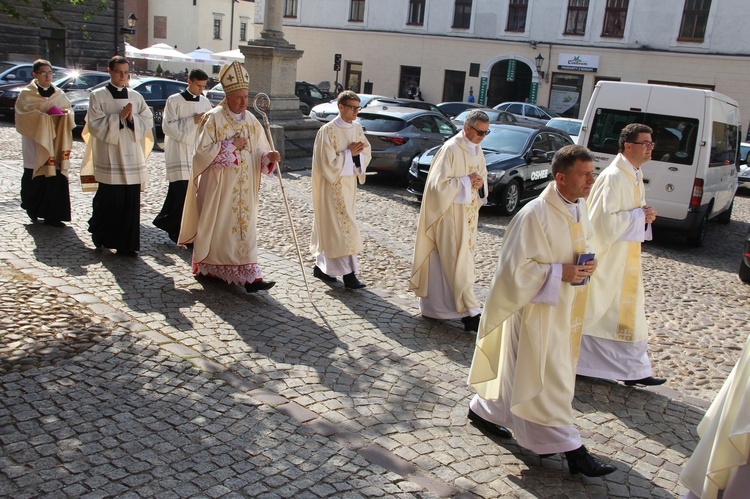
{"x": 443, "y": 271}
{"x": 118, "y": 140}
{"x": 182, "y": 114}
{"x": 221, "y": 206}
{"x": 524, "y": 362}
{"x": 45, "y": 121}
{"x": 340, "y": 157}
{"x": 720, "y": 464}
{"x": 615, "y": 333}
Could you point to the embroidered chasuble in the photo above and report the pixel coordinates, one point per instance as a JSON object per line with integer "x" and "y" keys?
{"x": 447, "y": 227}
{"x": 616, "y": 306}
{"x": 335, "y": 232}
{"x": 221, "y": 206}
{"x": 548, "y": 337}
{"x": 52, "y": 134}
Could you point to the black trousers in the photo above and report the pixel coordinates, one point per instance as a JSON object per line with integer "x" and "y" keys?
{"x": 170, "y": 216}
{"x": 116, "y": 217}
{"x": 45, "y": 197}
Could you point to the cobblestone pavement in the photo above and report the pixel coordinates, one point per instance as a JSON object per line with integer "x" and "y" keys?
{"x": 128, "y": 377}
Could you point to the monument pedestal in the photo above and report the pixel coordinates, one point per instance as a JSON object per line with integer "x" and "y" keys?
{"x": 271, "y": 63}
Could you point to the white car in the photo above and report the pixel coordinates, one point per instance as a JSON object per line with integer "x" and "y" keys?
{"x": 329, "y": 110}
{"x": 568, "y": 125}
{"x": 744, "y": 176}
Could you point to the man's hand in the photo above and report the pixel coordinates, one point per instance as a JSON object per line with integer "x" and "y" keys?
{"x": 274, "y": 156}
{"x": 197, "y": 117}
{"x": 356, "y": 148}
{"x": 577, "y": 273}
{"x": 127, "y": 112}
{"x": 476, "y": 181}
{"x": 650, "y": 213}
{"x": 239, "y": 142}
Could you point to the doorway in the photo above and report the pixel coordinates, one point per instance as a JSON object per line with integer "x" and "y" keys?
{"x": 353, "y": 76}
{"x": 501, "y": 90}
{"x": 453, "y": 87}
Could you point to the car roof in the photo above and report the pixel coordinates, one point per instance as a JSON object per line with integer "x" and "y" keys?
{"x": 531, "y": 126}
{"x": 402, "y": 112}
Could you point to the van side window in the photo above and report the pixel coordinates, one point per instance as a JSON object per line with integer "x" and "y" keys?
{"x": 723, "y": 144}
{"x": 605, "y": 131}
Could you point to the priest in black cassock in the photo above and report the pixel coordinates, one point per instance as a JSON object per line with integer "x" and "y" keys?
{"x": 182, "y": 114}
{"x": 118, "y": 141}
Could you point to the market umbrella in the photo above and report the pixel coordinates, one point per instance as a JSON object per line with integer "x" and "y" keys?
{"x": 133, "y": 52}
{"x": 164, "y": 52}
{"x": 202, "y": 56}
{"x": 229, "y": 56}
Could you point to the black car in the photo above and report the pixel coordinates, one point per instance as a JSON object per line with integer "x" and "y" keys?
{"x": 155, "y": 92}
{"x": 309, "y": 96}
{"x": 451, "y": 109}
{"x": 519, "y": 164}
{"x": 68, "y": 80}
{"x": 745, "y": 263}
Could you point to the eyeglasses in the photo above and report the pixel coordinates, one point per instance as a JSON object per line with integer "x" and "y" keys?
{"x": 121, "y": 73}
{"x": 353, "y": 108}
{"x": 481, "y": 133}
{"x": 44, "y": 73}
{"x": 649, "y": 145}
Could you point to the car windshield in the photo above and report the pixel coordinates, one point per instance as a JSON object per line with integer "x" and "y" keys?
{"x": 506, "y": 140}
{"x": 217, "y": 88}
{"x": 552, "y": 114}
{"x": 744, "y": 151}
{"x": 489, "y": 112}
{"x": 378, "y": 123}
{"x": 5, "y": 66}
{"x": 569, "y": 127}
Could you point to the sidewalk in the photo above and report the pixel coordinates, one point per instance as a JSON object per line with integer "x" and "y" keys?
{"x": 130, "y": 378}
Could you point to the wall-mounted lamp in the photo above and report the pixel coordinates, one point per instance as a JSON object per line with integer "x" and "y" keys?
{"x": 130, "y": 30}
{"x": 539, "y": 59}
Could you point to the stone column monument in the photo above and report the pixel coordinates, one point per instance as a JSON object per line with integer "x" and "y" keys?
{"x": 271, "y": 62}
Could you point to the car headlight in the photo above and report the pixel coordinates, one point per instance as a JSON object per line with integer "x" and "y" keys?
{"x": 414, "y": 168}
{"x": 495, "y": 175}
{"x": 83, "y": 107}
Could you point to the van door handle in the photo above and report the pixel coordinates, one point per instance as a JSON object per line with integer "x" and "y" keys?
{"x": 646, "y": 181}
{"x": 673, "y": 169}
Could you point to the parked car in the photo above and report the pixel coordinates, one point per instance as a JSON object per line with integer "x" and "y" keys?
{"x": 416, "y": 104}
{"x": 743, "y": 177}
{"x": 18, "y": 72}
{"x": 154, "y": 91}
{"x": 329, "y": 110}
{"x": 216, "y": 94}
{"x": 519, "y": 164}
{"x": 532, "y": 112}
{"x": 69, "y": 80}
{"x": 453, "y": 109}
{"x": 400, "y": 134}
{"x": 495, "y": 116}
{"x": 568, "y": 125}
{"x": 745, "y": 263}
{"x": 309, "y": 96}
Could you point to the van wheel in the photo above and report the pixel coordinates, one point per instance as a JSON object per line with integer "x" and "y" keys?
{"x": 726, "y": 216}
{"x": 510, "y": 197}
{"x": 696, "y": 237}
{"x": 744, "y": 272}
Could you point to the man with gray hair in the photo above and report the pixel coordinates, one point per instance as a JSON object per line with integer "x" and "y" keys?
{"x": 443, "y": 265}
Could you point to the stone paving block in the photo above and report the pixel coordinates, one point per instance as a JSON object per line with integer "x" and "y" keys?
{"x": 297, "y": 412}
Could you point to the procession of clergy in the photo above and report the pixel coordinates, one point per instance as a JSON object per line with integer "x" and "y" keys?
{"x": 566, "y": 300}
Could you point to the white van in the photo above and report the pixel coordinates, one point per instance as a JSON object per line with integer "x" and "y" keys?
{"x": 692, "y": 175}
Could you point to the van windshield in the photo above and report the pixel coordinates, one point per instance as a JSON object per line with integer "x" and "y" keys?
{"x": 675, "y": 136}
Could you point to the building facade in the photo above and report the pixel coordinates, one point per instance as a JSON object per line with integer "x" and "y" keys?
{"x": 552, "y": 52}
{"x": 85, "y": 37}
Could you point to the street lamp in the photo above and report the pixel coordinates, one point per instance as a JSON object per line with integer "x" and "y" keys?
{"x": 539, "y": 60}
{"x": 130, "y": 30}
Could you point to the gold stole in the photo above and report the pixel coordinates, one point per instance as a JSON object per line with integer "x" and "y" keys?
{"x": 628, "y": 298}
{"x": 579, "y": 301}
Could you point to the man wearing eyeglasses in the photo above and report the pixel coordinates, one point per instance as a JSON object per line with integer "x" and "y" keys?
{"x": 615, "y": 334}
{"x": 443, "y": 264}
{"x": 340, "y": 157}
{"x": 118, "y": 141}
{"x": 45, "y": 122}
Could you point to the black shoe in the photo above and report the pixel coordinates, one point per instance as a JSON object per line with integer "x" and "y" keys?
{"x": 649, "y": 381}
{"x": 128, "y": 253}
{"x": 471, "y": 323}
{"x": 483, "y": 424}
{"x": 174, "y": 238}
{"x": 54, "y": 223}
{"x": 545, "y": 456}
{"x": 254, "y": 287}
{"x": 33, "y": 219}
{"x": 580, "y": 461}
{"x": 351, "y": 281}
{"x": 322, "y": 275}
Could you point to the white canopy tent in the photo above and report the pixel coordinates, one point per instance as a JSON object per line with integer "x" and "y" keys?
{"x": 229, "y": 56}
{"x": 133, "y": 52}
{"x": 164, "y": 52}
{"x": 202, "y": 56}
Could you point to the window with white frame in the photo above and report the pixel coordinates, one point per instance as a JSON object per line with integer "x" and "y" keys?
{"x": 290, "y": 8}
{"x": 462, "y": 14}
{"x": 694, "y": 20}
{"x": 614, "y": 18}
{"x": 517, "y": 15}
{"x": 357, "y": 11}
{"x": 416, "y": 12}
{"x": 578, "y": 11}
{"x": 217, "y": 28}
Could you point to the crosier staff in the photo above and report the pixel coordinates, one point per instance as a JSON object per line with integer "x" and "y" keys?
{"x": 262, "y": 103}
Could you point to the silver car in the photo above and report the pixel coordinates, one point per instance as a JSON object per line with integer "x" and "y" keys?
{"x": 532, "y": 112}
{"x": 327, "y": 111}
{"x": 400, "y": 134}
